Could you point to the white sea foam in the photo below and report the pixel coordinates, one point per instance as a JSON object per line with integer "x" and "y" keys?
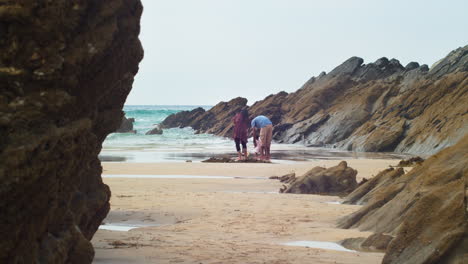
{"x": 123, "y": 227}
{"x": 318, "y": 244}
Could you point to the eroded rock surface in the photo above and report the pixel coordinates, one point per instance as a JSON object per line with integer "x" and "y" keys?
{"x": 425, "y": 209}
{"x": 337, "y": 180}
{"x": 380, "y": 106}
{"x": 66, "y": 68}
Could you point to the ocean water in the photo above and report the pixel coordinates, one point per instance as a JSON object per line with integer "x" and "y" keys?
{"x": 173, "y": 139}
{"x": 174, "y": 144}
{"x": 182, "y": 144}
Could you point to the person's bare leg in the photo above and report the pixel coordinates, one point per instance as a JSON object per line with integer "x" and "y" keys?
{"x": 239, "y": 155}
{"x": 245, "y": 153}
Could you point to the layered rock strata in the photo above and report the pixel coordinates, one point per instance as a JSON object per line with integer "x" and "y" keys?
{"x": 66, "y": 68}
{"x": 425, "y": 210}
{"x": 380, "y": 106}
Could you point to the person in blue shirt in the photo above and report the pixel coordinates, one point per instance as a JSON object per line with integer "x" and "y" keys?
{"x": 265, "y": 126}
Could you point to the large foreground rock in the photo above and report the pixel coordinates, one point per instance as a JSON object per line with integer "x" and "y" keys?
{"x": 66, "y": 68}
{"x": 425, "y": 209}
{"x": 337, "y": 180}
{"x": 379, "y": 106}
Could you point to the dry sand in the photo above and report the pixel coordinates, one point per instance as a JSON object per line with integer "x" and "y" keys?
{"x": 239, "y": 220}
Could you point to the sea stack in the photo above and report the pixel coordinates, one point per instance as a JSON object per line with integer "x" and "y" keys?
{"x": 66, "y": 68}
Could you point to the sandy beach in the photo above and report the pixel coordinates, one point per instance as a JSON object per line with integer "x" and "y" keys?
{"x": 237, "y": 219}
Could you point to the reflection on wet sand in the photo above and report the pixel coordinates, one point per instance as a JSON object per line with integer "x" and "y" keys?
{"x": 284, "y": 155}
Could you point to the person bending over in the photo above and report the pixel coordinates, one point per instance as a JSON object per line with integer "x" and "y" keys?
{"x": 265, "y": 126}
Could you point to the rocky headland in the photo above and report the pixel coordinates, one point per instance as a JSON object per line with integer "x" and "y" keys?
{"x": 66, "y": 68}
{"x": 380, "y": 106}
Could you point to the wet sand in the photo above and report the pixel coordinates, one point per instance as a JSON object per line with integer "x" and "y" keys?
{"x": 223, "y": 220}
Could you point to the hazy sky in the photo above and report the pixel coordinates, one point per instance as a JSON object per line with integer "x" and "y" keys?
{"x": 200, "y": 52}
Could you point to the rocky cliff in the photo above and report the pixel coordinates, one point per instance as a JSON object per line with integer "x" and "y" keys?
{"x": 217, "y": 120}
{"x": 66, "y": 68}
{"x": 380, "y": 106}
{"x": 425, "y": 210}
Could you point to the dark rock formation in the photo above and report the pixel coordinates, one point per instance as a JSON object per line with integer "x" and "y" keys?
{"x": 218, "y": 120}
{"x": 380, "y": 106}
{"x": 183, "y": 119}
{"x": 155, "y": 131}
{"x": 410, "y": 162}
{"x": 337, "y": 180}
{"x": 66, "y": 68}
{"x": 425, "y": 209}
{"x": 126, "y": 125}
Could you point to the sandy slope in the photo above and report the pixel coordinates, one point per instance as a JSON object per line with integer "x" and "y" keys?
{"x": 223, "y": 220}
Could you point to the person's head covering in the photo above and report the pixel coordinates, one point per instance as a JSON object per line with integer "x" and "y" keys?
{"x": 245, "y": 113}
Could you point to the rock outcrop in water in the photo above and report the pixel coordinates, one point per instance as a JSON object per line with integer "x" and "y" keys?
{"x": 126, "y": 125}
{"x": 217, "y": 120}
{"x": 66, "y": 68}
{"x": 425, "y": 210}
{"x": 380, "y": 106}
{"x": 155, "y": 131}
{"x": 337, "y": 180}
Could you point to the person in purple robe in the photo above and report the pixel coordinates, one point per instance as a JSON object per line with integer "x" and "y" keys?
{"x": 241, "y": 127}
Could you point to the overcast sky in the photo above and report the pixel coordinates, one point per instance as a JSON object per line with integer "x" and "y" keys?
{"x": 200, "y": 52}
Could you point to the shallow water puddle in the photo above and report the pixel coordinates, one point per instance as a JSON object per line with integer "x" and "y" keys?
{"x": 139, "y": 176}
{"x": 117, "y": 227}
{"x": 333, "y": 202}
{"x": 318, "y": 244}
{"x": 259, "y": 192}
{"x": 122, "y": 227}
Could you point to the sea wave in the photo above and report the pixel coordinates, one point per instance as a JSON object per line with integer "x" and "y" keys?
{"x": 146, "y": 118}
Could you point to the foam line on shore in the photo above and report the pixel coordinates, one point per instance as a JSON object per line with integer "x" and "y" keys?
{"x": 318, "y": 244}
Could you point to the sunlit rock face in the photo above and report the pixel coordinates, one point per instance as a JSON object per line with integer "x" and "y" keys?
{"x": 379, "y": 106}
{"x": 66, "y": 68}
